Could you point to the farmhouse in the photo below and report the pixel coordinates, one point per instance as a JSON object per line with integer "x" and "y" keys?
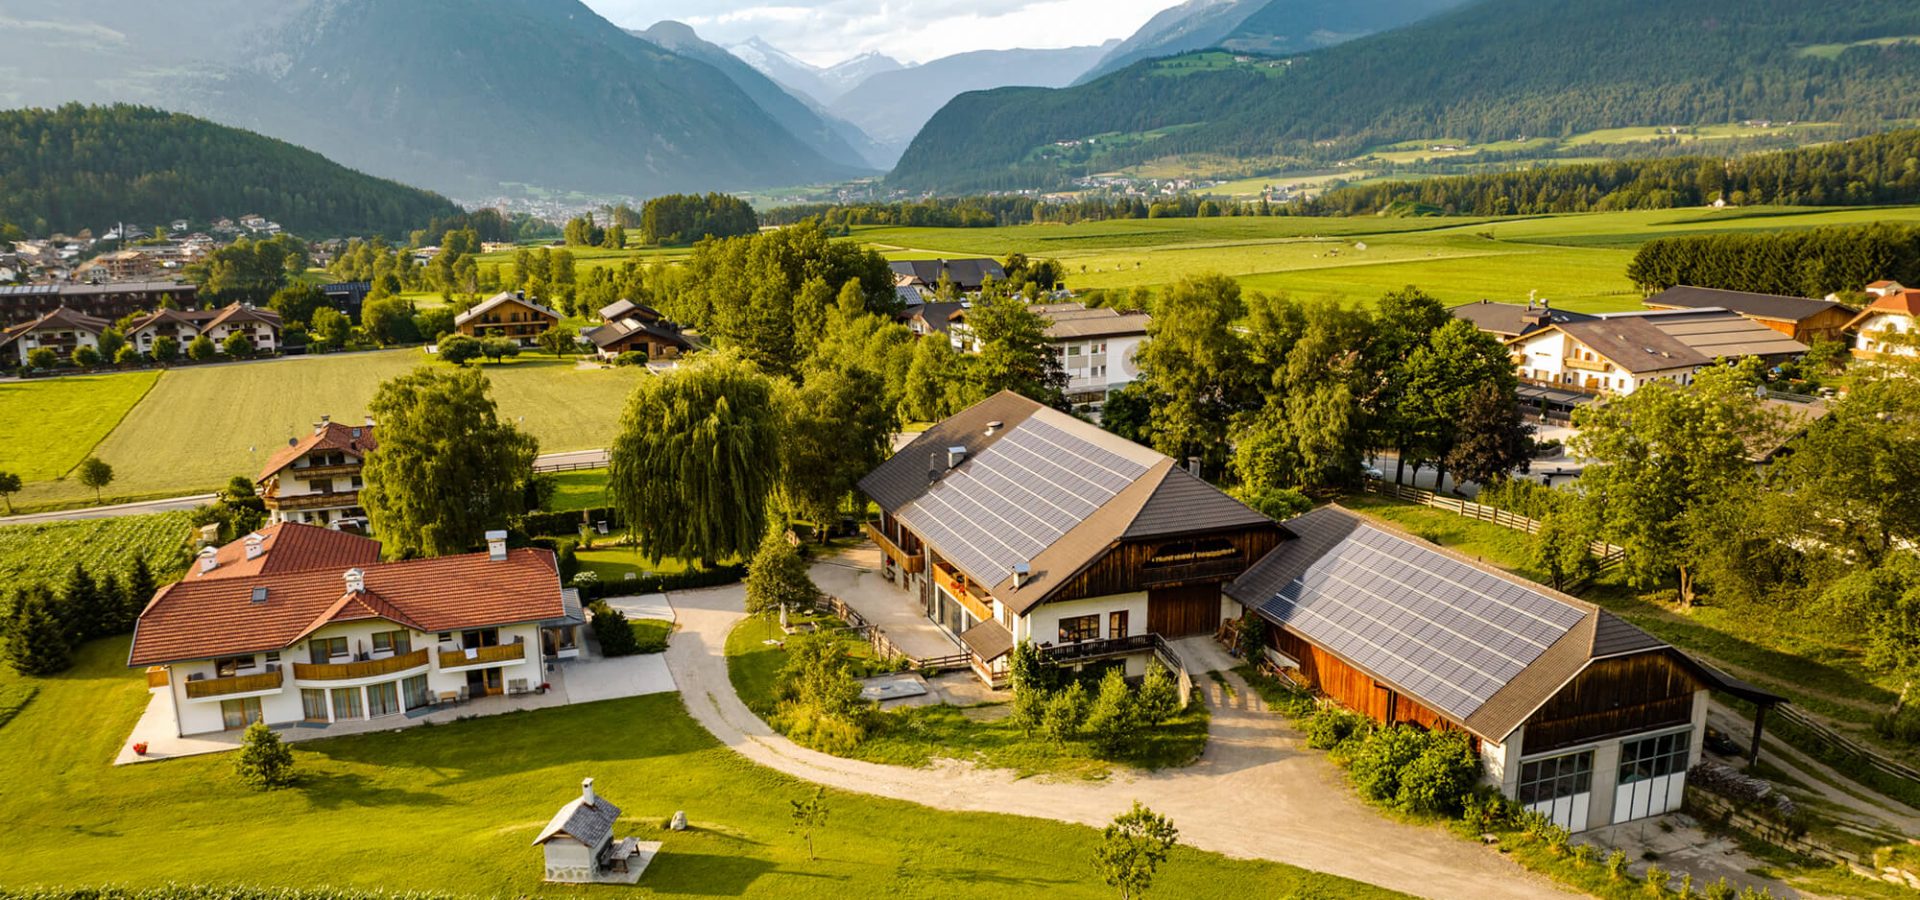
{"x": 1799, "y": 318}
{"x": 1576, "y": 713}
{"x": 965, "y": 275}
{"x": 308, "y": 628}
{"x": 1620, "y": 352}
{"x": 1886, "y": 326}
{"x": 315, "y": 479}
{"x": 1013, "y": 522}
{"x": 631, "y": 327}
{"x": 62, "y": 331}
{"x": 508, "y": 314}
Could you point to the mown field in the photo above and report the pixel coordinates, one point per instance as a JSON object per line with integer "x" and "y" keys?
{"x": 47, "y": 426}
{"x": 453, "y": 808}
{"x": 200, "y": 425}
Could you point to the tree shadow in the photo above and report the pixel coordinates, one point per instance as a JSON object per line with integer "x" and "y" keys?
{"x": 347, "y": 790}
{"x": 708, "y": 874}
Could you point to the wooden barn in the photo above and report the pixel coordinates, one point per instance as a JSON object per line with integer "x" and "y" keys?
{"x": 1014, "y": 522}
{"x": 1575, "y": 712}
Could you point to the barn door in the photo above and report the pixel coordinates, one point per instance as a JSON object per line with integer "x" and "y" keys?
{"x": 1181, "y": 611}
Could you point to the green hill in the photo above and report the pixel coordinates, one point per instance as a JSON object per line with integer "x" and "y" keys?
{"x": 91, "y": 166}
{"x": 1493, "y": 70}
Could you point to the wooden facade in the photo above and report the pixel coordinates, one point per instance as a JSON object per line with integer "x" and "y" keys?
{"x": 1181, "y": 611}
{"x": 1207, "y": 559}
{"x": 1352, "y": 688}
{"x": 1595, "y": 706}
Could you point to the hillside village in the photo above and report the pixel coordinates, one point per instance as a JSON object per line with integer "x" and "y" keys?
{"x": 1242, "y": 489}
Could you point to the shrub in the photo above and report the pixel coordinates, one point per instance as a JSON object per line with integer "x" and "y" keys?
{"x": 1330, "y": 726}
{"x": 1656, "y": 882}
{"x": 820, "y": 704}
{"x": 43, "y": 357}
{"x": 1066, "y": 712}
{"x": 1486, "y": 809}
{"x": 201, "y": 349}
{"x": 1253, "y": 638}
{"x": 1377, "y": 763}
{"x": 1616, "y": 866}
{"x": 1583, "y": 855}
{"x": 1029, "y": 707}
{"x": 1556, "y": 839}
{"x": 459, "y": 349}
{"x": 614, "y": 631}
{"x": 1441, "y": 778}
{"x": 264, "y": 763}
{"x": 126, "y": 356}
{"x": 1113, "y": 719}
{"x": 777, "y": 577}
{"x": 85, "y": 356}
{"x": 630, "y": 358}
{"x": 1279, "y": 504}
{"x": 1721, "y": 890}
{"x": 1159, "y": 698}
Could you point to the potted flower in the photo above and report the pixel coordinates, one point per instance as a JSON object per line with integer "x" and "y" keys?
{"x": 140, "y": 748}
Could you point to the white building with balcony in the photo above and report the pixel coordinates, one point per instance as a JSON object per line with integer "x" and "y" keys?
{"x": 298, "y": 624}
{"x": 316, "y": 479}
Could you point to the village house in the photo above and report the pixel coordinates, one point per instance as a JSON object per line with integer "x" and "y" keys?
{"x": 629, "y": 327}
{"x": 1575, "y": 713}
{"x": 1096, "y": 347}
{"x": 1507, "y": 321}
{"x": 112, "y": 302}
{"x": 578, "y": 845}
{"x": 316, "y": 478}
{"x": 119, "y": 265}
{"x": 932, "y": 317}
{"x": 261, "y": 327}
{"x": 1014, "y": 522}
{"x": 296, "y": 624}
{"x": 1799, "y": 318}
{"x": 1886, "y": 326}
{"x": 1618, "y": 353}
{"x": 61, "y": 330}
{"x": 508, "y": 314}
{"x": 966, "y": 275}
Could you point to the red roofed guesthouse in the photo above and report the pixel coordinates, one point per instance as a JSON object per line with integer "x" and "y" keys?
{"x": 316, "y": 479}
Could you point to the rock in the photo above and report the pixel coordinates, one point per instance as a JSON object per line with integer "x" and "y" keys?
{"x": 679, "y": 822}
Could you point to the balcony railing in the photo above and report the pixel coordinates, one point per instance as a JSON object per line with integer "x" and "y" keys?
{"x": 335, "y": 500}
{"x": 1590, "y": 365}
{"x": 908, "y": 562}
{"x": 482, "y": 656}
{"x": 1218, "y": 569}
{"x": 363, "y": 669}
{"x": 341, "y": 470}
{"x": 234, "y": 684}
{"x": 953, "y": 583}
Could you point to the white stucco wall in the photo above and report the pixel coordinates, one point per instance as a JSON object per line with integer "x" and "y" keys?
{"x": 1871, "y": 334}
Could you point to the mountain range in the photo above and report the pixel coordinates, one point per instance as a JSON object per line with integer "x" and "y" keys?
{"x": 1486, "y": 71}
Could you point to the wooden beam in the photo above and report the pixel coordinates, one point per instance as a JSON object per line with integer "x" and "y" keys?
{"x": 1759, "y": 727}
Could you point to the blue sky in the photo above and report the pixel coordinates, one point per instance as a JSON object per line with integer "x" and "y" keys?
{"x": 824, "y": 32}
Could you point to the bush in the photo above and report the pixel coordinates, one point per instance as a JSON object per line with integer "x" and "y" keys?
{"x": 1279, "y": 504}
{"x": 264, "y": 763}
{"x": 1114, "y": 717}
{"x": 458, "y": 349}
{"x": 777, "y": 577}
{"x": 1159, "y": 698}
{"x": 614, "y": 631}
{"x": 820, "y": 705}
{"x": 201, "y": 349}
{"x": 1656, "y": 882}
{"x": 1379, "y": 759}
{"x": 1903, "y": 726}
{"x": 1330, "y": 726}
{"x": 1442, "y": 777}
{"x": 1616, "y": 866}
{"x": 1583, "y": 855}
{"x": 1066, "y": 712}
{"x": 43, "y": 358}
{"x": 630, "y": 358}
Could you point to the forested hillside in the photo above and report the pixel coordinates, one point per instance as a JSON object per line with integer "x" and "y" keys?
{"x": 1490, "y": 71}
{"x": 1883, "y": 168}
{"x": 91, "y": 166}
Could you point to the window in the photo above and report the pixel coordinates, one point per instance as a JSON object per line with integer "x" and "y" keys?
{"x": 383, "y": 699}
{"x": 1654, "y": 757}
{"x": 416, "y": 692}
{"x": 235, "y": 714}
{"x": 313, "y": 704}
{"x": 326, "y": 650}
{"x": 231, "y": 665}
{"x": 1079, "y": 628}
{"x": 1117, "y": 624}
{"x": 273, "y": 657}
{"x": 346, "y": 704}
{"x": 394, "y": 642}
{"x": 1543, "y": 780}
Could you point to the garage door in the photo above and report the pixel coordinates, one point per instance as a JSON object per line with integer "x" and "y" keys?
{"x": 1181, "y": 611}
{"x": 1653, "y": 776}
{"x": 1559, "y": 787}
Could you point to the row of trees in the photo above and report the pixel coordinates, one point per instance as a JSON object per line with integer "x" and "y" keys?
{"x": 1810, "y": 263}
{"x": 1000, "y": 210}
{"x": 679, "y": 219}
{"x": 44, "y": 626}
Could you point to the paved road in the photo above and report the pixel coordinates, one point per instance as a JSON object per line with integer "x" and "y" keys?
{"x": 1257, "y": 792}
{"x": 546, "y": 462}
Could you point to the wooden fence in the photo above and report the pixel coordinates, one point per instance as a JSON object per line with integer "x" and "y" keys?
{"x": 885, "y": 648}
{"x": 1609, "y": 555}
{"x": 1866, "y": 755}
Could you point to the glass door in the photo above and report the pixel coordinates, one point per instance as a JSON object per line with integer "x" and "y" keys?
{"x": 240, "y": 713}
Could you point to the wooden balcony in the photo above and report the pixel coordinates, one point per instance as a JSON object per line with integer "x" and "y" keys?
{"x": 1588, "y": 365}
{"x": 365, "y": 669}
{"x": 908, "y": 562}
{"x": 335, "y": 500}
{"x": 1202, "y": 570}
{"x": 955, "y": 584}
{"x": 343, "y": 470}
{"x": 482, "y": 656}
{"x": 234, "y": 684}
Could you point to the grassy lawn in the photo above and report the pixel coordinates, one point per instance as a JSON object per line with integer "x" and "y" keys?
{"x": 613, "y": 563}
{"x": 584, "y": 489}
{"x": 651, "y": 634}
{"x": 46, "y": 553}
{"x": 200, "y": 425}
{"x": 917, "y": 736}
{"x": 47, "y": 425}
{"x": 452, "y": 808}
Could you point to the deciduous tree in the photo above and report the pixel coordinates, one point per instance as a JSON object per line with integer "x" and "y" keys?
{"x": 1195, "y": 366}
{"x": 10, "y": 485}
{"x": 777, "y": 577}
{"x": 1132, "y": 849}
{"x": 94, "y": 472}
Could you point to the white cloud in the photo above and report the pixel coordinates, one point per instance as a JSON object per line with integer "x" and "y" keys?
{"x": 828, "y": 31}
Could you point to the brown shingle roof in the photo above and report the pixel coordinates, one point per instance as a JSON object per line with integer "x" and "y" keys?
{"x": 289, "y": 547}
{"x": 61, "y": 317}
{"x": 355, "y": 439}
{"x": 1634, "y": 344}
{"x": 218, "y": 617}
{"x": 1773, "y": 307}
{"x": 1513, "y": 319}
{"x": 502, "y": 298}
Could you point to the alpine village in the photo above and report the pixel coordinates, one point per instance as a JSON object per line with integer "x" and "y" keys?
{"x": 1462, "y": 449}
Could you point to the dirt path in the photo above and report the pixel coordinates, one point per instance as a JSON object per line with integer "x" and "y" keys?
{"x": 1865, "y": 806}
{"x": 1255, "y": 793}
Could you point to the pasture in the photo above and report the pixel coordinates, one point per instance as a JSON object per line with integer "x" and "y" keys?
{"x": 201, "y": 425}
{"x": 48, "y": 425}
{"x": 452, "y": 809}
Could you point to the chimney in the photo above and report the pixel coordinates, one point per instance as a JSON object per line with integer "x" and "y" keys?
{"x": 369, "y": 421}
{"x": 208, "y": 560}
{"x": 993, "y": 427}
{"x": 1022, "y": 573}
{"x": 256, "y": 545}
{"x": 956, "y": 456}
{"x": 356, "y": 580}
{"x": 586, "y": 792}
{"x": 497, "y": 546}
{"x": 1193, "y": 466}
{"x": 320, "y": 427}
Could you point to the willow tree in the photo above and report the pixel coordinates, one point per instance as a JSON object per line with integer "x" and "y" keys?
{"x": 697, "y": 457}
{"x": 447, "y": 469}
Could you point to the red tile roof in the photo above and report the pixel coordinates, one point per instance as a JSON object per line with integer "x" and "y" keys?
{"x": 354, "y": 439}
{"x": 290, "y": 547}
{"x": 207, "y": 618}
{"x": 1904, "y": 303}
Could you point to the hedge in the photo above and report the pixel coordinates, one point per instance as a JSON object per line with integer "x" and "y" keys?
{"x": 594, "y": 589}
{"x": 568, "y": 522}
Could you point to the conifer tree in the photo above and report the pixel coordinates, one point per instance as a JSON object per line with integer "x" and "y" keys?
{"x": 36, "y": 640}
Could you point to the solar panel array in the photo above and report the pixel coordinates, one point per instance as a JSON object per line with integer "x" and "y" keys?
{"x": 1446, "y": 632}
{"x": 1017, "y": 498}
